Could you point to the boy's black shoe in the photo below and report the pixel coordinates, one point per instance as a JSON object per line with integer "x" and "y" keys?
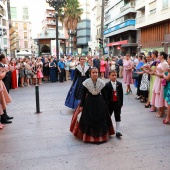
{"x": 118, "y": 134}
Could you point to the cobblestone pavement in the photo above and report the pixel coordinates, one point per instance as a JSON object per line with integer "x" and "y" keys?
{"x": 43, "y": 141}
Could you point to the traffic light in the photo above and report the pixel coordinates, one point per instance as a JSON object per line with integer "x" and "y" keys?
{"x": 101, "y": 42}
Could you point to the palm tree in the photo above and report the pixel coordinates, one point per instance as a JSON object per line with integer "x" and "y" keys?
{"x": 70, "y": 15}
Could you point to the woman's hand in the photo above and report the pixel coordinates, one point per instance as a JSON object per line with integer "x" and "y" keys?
{"x": 80, "y": 109}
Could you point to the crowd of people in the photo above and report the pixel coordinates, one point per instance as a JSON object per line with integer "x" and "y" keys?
{"x": 150, "y": 74}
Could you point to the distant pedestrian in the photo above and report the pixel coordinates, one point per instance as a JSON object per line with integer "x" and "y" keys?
{"x": 61, "y": 68}
{"x": 102, "y": 67}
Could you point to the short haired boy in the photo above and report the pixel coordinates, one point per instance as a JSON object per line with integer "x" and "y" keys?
{"x": 114, "y": 93}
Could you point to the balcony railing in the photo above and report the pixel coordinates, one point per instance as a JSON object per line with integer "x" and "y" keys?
{"x": 140, "y": 19}
{"x": 129, "y": 5}
{"x": 130, "y": 22}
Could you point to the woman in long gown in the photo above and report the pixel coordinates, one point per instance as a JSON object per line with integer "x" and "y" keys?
{"x": 91, "y": 121}
{"x": 158, "y": 90}
{"x": 75, "y": 93}
{"x": 14, "y": 74}
{"x": 53, "y": 75}
{"x": 4, "y": 96}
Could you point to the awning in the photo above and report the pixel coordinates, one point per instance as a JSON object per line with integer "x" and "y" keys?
{"x": 130, "y": 45}
{"x": 117, "y": 43}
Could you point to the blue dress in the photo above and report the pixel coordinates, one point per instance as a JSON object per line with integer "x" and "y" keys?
{"x": 75, "y": 93}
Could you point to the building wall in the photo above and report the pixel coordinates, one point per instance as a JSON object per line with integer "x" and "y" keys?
{"x": 153, "y": 23}
{"x": 20, "y": 18}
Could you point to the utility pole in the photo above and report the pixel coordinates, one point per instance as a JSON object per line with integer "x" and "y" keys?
{"x": 102, "y": 27}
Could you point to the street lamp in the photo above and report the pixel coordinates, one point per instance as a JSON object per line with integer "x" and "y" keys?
{"x": 56, "y": 4}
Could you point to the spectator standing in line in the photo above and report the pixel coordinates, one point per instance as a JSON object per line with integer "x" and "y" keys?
{"x": 120, "y": 62}
{"x": 96, "y": 62}
{"x": 67, "y": 67}
{"x": 61, "y": 68}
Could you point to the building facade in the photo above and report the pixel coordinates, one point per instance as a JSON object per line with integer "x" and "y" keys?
{"x": 120, "y": 32}
{"x": 95, "y": 27}
{"x": 48, "y": 34}
{"x": 153, "y": 23}
{"x": 4, "y": 29}
{"x": 84, "y": 28}
{"x": 20, "y": 33}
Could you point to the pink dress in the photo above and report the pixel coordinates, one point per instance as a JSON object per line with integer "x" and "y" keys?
{"x": 158, "y": 90}
{"x": 127, "y": 74}
{"x": 102, "y": 66}
{"x": 4, "y": 97}
{"x": 39, "y": 73}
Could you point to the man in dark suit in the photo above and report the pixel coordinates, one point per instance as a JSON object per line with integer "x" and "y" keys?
{"x": 7, "y": 81}
{"x": 96, "y": 63}
{"x": 114, "y": 93}
{"x": 56, "y": 63}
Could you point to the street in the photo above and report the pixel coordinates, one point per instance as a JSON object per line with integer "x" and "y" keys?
{"x": 43, "y": 141}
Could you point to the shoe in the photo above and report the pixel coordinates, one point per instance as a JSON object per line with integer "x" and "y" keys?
{"x": 166, "y": 121}
{"x": 118, "y": 134}
{"x": 152, "y": 111}
{"x": 126, "y": 93}
{"x": 5, "y": 116}
{"x": 147, "y": 106}
{"x": 5, "y": 121}
{"x": 130, "y": 91}
{"x": 137, "y": 98}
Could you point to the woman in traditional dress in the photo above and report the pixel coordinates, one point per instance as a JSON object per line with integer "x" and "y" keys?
{"x": 75, "y": 92}
{"x": 4, "y": 96}
{"x": 127, "y": 73}
{"x": 91, "y": 121}
{"x": 158, "y": 90}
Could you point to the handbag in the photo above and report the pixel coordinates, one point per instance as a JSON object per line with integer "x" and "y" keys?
{"x": 163, "y": 82}
{"x": 135, "y": 75}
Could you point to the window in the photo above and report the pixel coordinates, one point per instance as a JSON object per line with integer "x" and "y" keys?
{"x": 5, "y": 41}
{"x": 152, "y": 7}
{"x": 16, "y": 34}
{"x": 25, "y": 34}
{"x": 13, "y": 13}
{"x": 25, "y": 13}
{"x": 26, "y": 44}
{"x": 16, "y": 25}
{"x": 25, "y": 26}
{"x": 165, "y": 4}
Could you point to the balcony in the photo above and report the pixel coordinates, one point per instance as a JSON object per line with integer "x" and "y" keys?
{"x": 140, "y": 4}
{"x": 130, "y": 22}
{"x": 3, "y": 22}
{"x": 51, "y": 23}
{"x": 129, "y": 5}
{"x": 140, "y": 20}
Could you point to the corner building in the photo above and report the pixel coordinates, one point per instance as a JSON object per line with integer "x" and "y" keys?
{"x": 153, "y": 24}
{"x": 120, "y": 32}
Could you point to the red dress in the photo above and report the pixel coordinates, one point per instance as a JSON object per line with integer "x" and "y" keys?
{"x": 102, "y": 66}
{"x": 14, "y": 78}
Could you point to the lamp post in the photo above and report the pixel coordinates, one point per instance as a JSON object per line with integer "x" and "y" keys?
{"x": 56, "y": 4}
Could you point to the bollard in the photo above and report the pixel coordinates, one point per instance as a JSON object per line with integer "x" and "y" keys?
{"x": 37, "y": 99}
